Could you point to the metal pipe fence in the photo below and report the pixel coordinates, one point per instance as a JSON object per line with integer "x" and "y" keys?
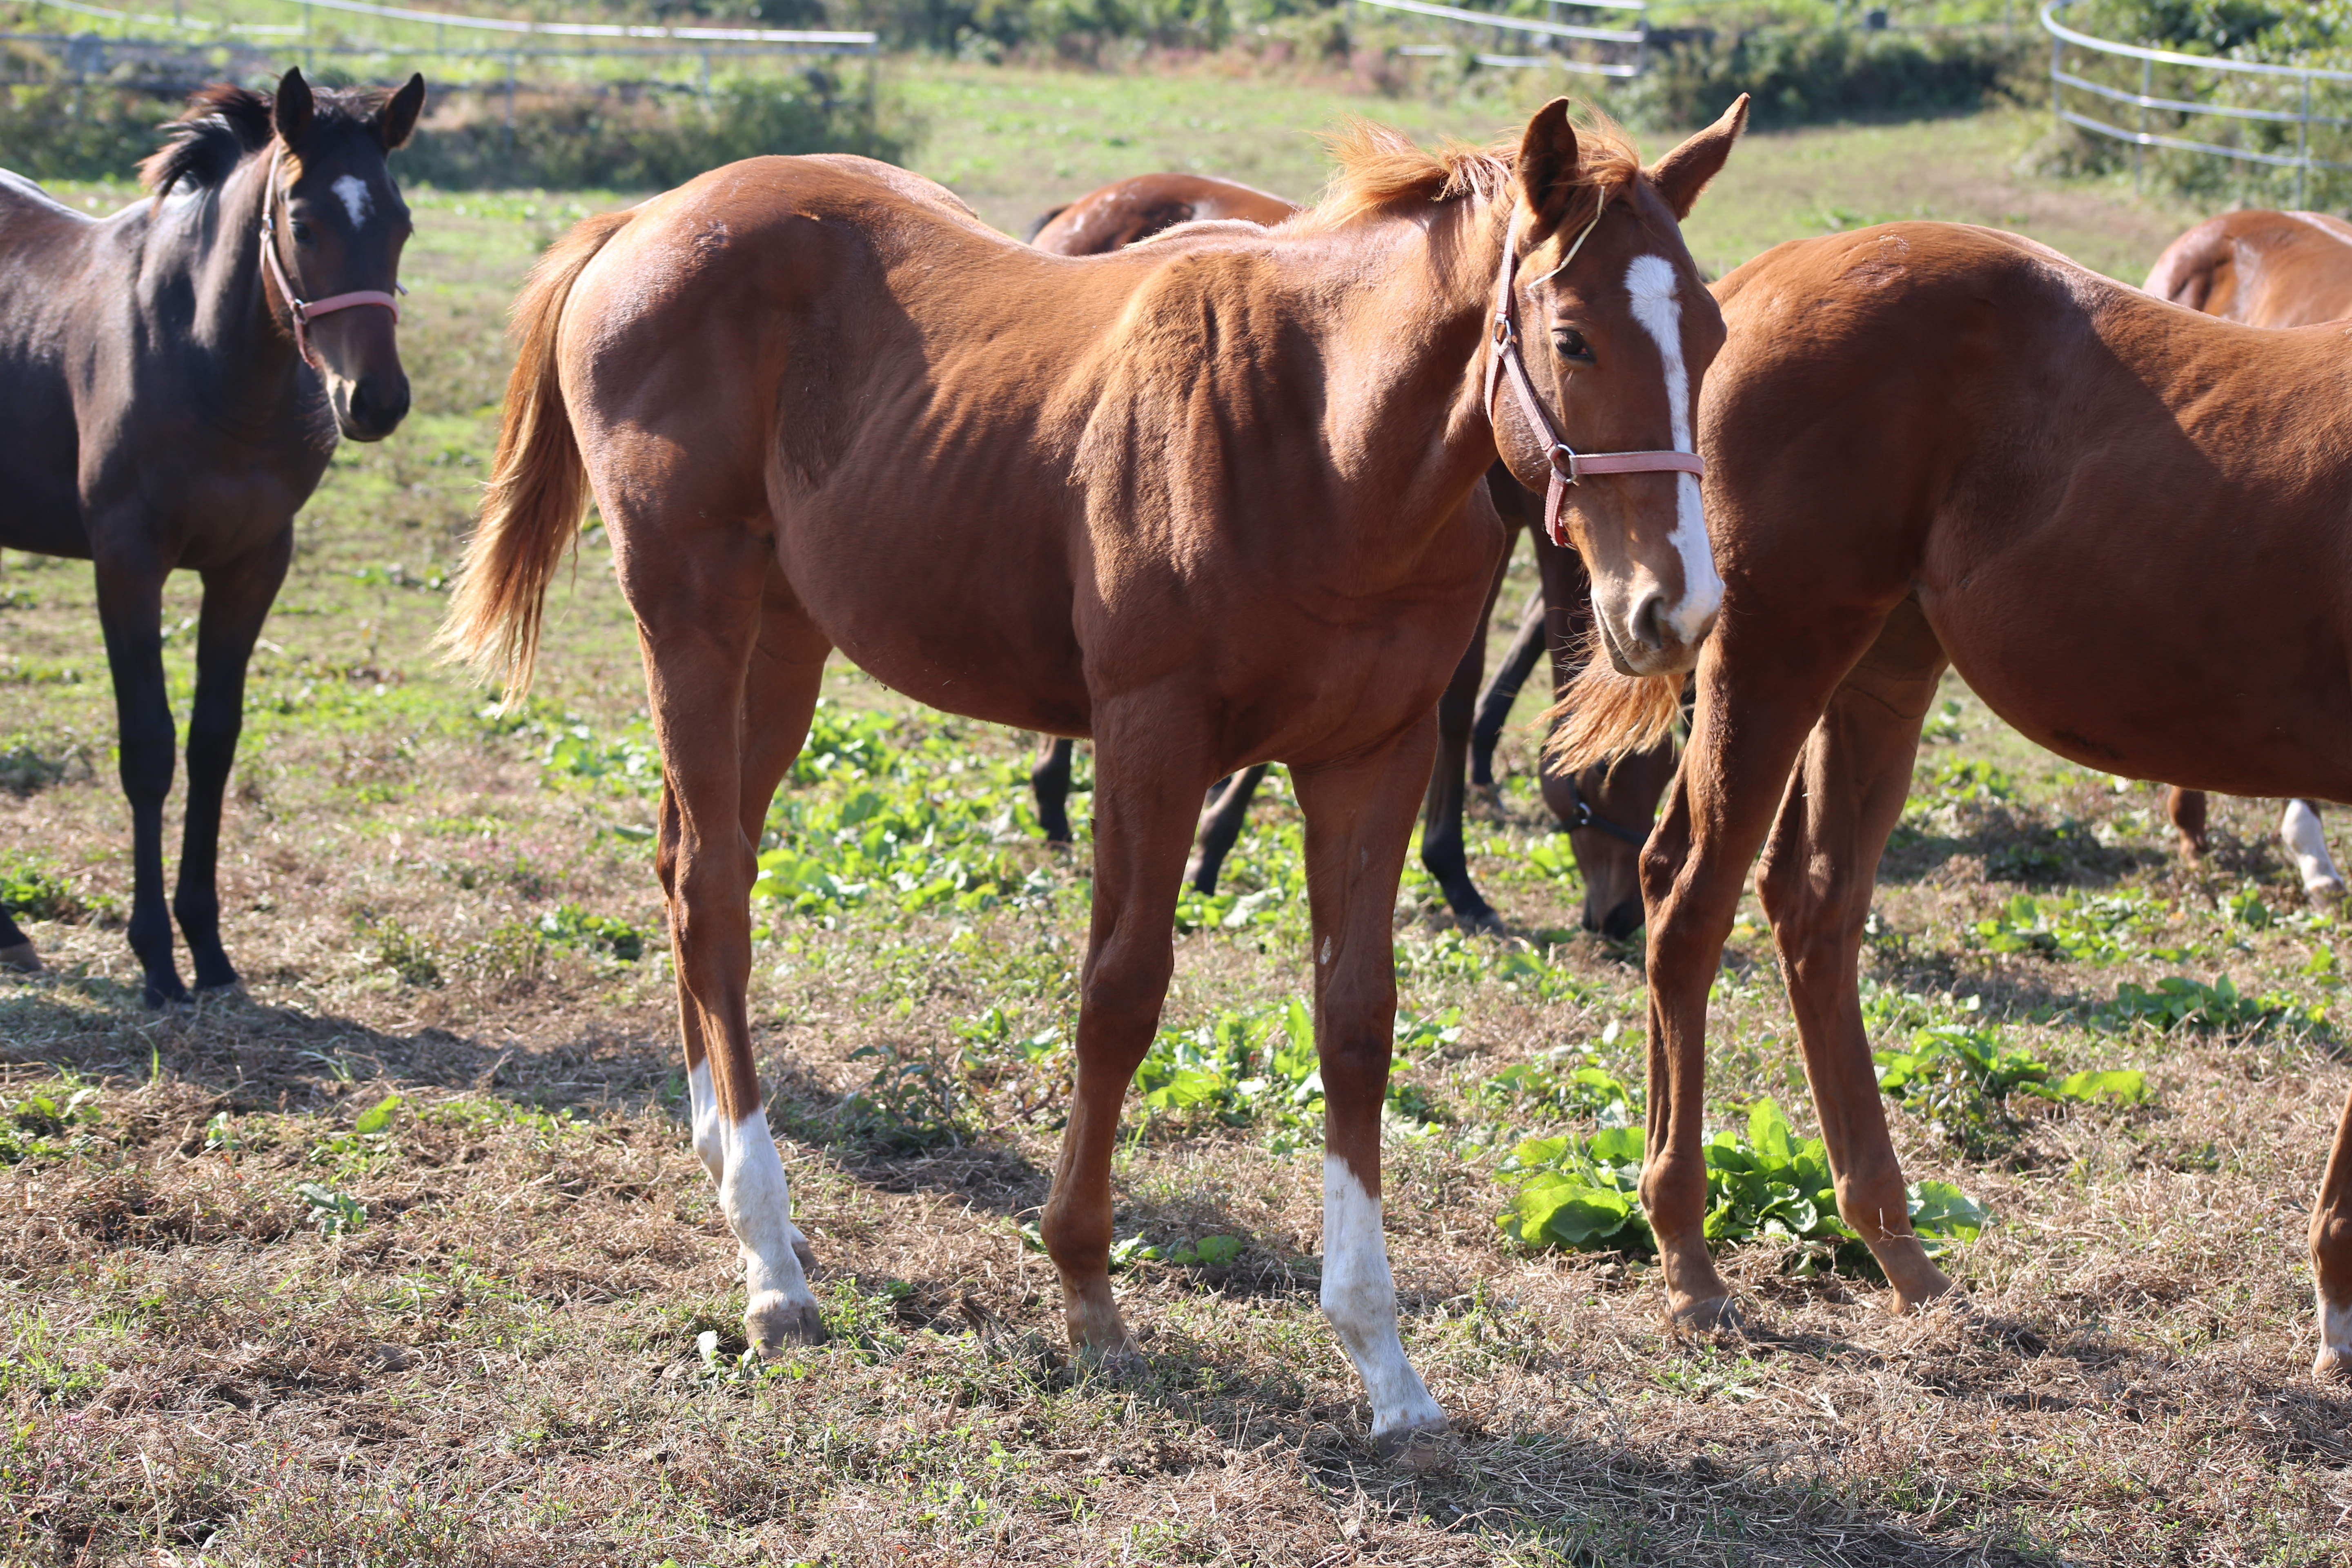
{"x": 2201, "y": 87}
{"x": 1562, "y": 37}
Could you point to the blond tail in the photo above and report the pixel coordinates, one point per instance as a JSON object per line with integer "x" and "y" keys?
{"x": 1604, "y": 715}
{"x": 537, "y": 489}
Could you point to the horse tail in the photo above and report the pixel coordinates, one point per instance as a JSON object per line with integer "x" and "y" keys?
{"x": 1037, "y": 225}
{"x": 1604, "y": 715}
{"x": 537, "y": 489}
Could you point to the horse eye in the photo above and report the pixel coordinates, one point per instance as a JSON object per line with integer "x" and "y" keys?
{"x": 302, "y": 232}
{"x": 1571, "y": 345}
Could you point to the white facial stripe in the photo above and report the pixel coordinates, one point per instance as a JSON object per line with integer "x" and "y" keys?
{"x": 356, "y": 200}
{"x": 2306, "y": 840}
{"x": 1649, "y": 280}
{"x": 1360, "y": 1298}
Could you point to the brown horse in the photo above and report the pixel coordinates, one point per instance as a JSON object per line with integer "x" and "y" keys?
{"x": 172, "y": 383}
{"x": 2266, "y": 270}
{"x": 1598, "y": 815}
{"x": 2103, "y": 511}
{"x": 1210, "y": 501}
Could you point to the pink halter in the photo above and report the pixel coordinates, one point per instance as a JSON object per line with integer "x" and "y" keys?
{"x": 303, "y": 309}
{"x": 1568, "y": 465}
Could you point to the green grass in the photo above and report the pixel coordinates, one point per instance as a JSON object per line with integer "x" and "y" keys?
{"x": 407, "y": 1258}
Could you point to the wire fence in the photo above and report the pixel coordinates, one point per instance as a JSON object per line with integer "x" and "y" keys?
{"x": 1619, "y": 52}
{"x": 2254, "y": 116}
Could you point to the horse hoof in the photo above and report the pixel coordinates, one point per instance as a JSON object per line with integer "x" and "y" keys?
{"x": 2333, "y": 1363}
{"x": 226, "y": 991}
{"x": 773, "y": 1322}
{"x": 22, "y": 958}
{"x": 165, "y": 999}
{"x": 2328, "y": 889}
{"x": 1714, "y": 1314}
{"x": 1417, "y": 1446}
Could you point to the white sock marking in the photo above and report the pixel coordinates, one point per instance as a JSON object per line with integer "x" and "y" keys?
{"x": 2306, "y": 840}
{"x": 709, "y": 1127}
{"x": 1360, "y": 1298}
{"x": 356, "y": 201}
{"x": 758, "y": 1209}
{"x": 1651, "y": 282}
{"x": 2335, "y": 1339}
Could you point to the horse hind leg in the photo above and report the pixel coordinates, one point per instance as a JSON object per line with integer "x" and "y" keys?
{"x": 1444, "y": 851}
{"x": 733, "y": 670}
{"x": 16, "y": 951}
{"x": 1049, "y": 781}
{"x": 2186, "y": 810}
{"x": 1221, "y": 829}
{"x": 2305, "y": 838}
{"x": 1816, "y": 880}
{"x": 2331, "y": 1257}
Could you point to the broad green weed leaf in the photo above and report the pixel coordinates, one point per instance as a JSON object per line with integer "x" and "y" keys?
{"x": 2119, "y": 1086}
{"x": 379, "y": 1117}
{"x": 1767, "y": 1131}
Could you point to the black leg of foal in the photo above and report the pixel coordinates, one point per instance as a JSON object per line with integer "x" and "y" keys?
{"x": 1221, "y": 825}
{"x": 1443, "y": 850}
{"x": 16, "y": 948}
{"x": 1495, "y": 702}
{"x": 1049, "y": 780}
{"x": 131, "y": 611}
{"x": 237, "y": 602}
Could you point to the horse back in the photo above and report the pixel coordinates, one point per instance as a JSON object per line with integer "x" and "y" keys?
{"x": 2262, "y": 268}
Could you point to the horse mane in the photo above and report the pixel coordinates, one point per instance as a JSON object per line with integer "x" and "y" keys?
{"x": 223, "y": 125}
{"x": 1380, "y": 169}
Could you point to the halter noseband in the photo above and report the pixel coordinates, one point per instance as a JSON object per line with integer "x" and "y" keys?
{"x": 1568, "y": 465}
{"x": 300, "y": 309}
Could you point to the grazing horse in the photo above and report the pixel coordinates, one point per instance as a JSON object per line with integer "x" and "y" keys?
{"x": 1211, "y": 506}
{"x": 173, "y": 380}
{"x": 2122, "y": 522}
{"x": 2266, "y": 270}
{"x": 1129, "y": 211}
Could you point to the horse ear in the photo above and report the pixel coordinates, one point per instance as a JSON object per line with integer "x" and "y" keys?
{"x": 397, "y": 118}
{"x": 1546, "y": 167}
{"x": 292, "y": 107}
{"x": 1684, "y": 172}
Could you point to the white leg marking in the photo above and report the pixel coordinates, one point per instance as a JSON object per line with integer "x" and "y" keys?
{"x": 1651, "y": 282}
{"x": 1360, "y": 1298}
{"x": 759, "y": 1210}
{"x": 709, "y": 1129}
{"x": 2306, "y": 840}
{"x": 2335, "y": 1341}
{"x": 356, "y": 200}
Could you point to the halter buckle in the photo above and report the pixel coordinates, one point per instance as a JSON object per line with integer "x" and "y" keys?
{"x": 1568, "y": 473}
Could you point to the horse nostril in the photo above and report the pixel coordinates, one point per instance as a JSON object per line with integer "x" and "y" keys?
{"x": 1649, "y": 621}
{"x": 373, "y": 407}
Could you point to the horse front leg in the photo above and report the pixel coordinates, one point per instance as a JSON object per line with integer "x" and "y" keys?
{"x": 1144, "y": 804}
{"x": 237, "y": 602}
{"x": 131, "y": 612}
{"x": 1815, "y": 883}
{"x": 1049, "y": 781}
{"x": 1221, "y": 829}
{"x": 2331, "y": 1257}
{"x": 1359, "y": 821}
{"x": 1761, "y": 688}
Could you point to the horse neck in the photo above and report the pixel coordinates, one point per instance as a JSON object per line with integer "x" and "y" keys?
{"x": 1408, "y": 345}
{"x": 211, "y": 247}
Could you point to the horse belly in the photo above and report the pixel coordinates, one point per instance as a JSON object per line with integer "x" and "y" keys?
{"x": 2216, "y": 659}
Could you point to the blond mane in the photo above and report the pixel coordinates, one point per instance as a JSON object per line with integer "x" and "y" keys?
{"x": 1380, "y": 168}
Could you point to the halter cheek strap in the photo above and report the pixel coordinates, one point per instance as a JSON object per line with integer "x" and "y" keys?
{"x": 1568, "y": 465}
{"x": 302, "y": 310}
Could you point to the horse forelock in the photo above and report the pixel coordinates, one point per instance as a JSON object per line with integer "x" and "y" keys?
{"x": 224, "y": 125}
{"x": 1380, "y": 169}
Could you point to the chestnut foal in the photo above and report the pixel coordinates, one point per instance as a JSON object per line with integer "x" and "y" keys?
{"x": 2104, "y": 511}
{"x": 1211, "y": 501}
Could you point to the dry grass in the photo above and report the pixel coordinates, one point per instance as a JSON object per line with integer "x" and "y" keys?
{"x": 501, "y": 1364}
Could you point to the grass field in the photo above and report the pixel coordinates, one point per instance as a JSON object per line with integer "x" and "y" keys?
{"x": 406, "y": 1259}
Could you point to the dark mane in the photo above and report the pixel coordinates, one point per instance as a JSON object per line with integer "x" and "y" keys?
{"x": 223, "y": 125}
{"x": 1381, "y": 168}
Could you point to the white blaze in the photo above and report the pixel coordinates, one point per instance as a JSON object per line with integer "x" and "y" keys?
{"x": 356, "y": 201}
{"x": 1651, "y": 282}
{"x": 2306, "y": 840}
{"x": 1360, "y": 1298}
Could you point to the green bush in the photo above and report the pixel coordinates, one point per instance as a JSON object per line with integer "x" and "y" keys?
{"x": 608, "y": 142}
{"x": 1800, "y": 76}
